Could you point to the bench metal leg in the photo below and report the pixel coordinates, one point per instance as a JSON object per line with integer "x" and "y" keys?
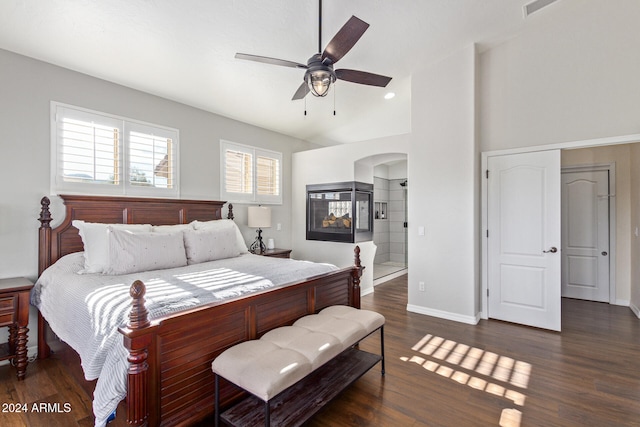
{"x": 217, "y": 399}
{"x": 382, "y": 346}
{"x": 267, "y": 414}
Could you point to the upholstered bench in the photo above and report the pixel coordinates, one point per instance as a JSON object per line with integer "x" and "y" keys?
{"x": 283, "y": 357}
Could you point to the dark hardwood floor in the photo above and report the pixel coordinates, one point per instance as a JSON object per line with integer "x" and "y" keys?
{"x": 439, "y": 373}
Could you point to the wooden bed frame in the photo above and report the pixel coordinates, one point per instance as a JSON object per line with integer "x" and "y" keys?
{"x": 170, "y": 379}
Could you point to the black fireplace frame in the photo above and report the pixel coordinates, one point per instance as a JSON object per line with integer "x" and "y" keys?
{"x": 355, "y": 235}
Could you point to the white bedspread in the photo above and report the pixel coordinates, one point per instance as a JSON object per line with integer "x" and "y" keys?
{"x": 86, "y": 310}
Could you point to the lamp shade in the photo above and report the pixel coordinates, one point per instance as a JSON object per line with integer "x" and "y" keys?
{"x": 259, "y": 217}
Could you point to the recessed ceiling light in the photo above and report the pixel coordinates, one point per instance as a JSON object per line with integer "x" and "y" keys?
{"x": 389, "y": 95}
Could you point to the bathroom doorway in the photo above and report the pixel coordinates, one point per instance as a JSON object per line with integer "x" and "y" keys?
{"x": 390, "y": 194}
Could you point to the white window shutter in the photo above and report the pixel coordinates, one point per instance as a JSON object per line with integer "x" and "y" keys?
{"x": 151, "y": 165}
{"x": 96, "y": 153}
{"x": 249, "y": 174}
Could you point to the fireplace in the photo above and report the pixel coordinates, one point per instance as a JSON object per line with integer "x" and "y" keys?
{"x": 340, "y": 212}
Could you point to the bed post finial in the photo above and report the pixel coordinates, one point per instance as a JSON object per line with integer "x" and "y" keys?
{"x": 45, "y": 213}
{"x": 356, "y": 258}
{"x": 44, "y": 234}
{"x": 356, "y": 274}
{"x": 230, "y": 214}
{"x": 138, "y": 375}
{"x": 138, "y": 317}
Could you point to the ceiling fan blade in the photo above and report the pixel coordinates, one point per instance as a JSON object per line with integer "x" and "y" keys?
{"x": 272, "y": 61}
{"x": 302, "y": 91}
{"x": 345, "y": 39}
{"x": 362, "y": 77}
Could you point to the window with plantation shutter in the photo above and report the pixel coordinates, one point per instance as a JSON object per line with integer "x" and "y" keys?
{"x": 267, "y": 175}
{"x": 88, "y": 151}
{"x": 238, "y": 175}
{"x": 250, "y": 174}
{"x": 97, "y": 153}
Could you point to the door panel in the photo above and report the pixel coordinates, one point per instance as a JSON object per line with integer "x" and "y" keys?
{"x": 524, "y": 224}
{"x": 585, "y": 235}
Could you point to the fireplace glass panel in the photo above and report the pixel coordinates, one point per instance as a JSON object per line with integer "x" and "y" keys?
{"x": 340, "y": 212}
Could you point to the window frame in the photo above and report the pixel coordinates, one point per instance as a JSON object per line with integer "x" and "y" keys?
{"x": 125, "y": 125}
{"x": 253, "y": 196}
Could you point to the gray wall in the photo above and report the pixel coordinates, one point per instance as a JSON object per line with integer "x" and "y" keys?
{"x": 28, "y": 86}
{"x": 381, "y": 225}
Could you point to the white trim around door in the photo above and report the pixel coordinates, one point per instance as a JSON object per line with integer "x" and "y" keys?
{"x": 614, "y": 140}
{"x": 611, "y": 169}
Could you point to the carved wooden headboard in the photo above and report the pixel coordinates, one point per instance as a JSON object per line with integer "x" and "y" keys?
{"x": 64, "y": 239}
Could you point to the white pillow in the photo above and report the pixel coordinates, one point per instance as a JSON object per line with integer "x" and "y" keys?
{"x": 221, "y": 224}
{"x": 133, "y": 252}
{"x": 209, "y": 244}
{"x": 96, "y": 244}
{"x": 171, "y": 228}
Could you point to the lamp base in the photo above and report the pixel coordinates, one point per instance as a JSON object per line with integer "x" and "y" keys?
{"x": 258, "y": 247}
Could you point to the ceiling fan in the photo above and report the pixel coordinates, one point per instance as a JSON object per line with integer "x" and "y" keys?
{"x": 319, "y": 74}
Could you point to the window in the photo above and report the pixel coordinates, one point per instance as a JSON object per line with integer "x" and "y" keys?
{"x": 250, "y": 174}
{"x": 97, "y": 153}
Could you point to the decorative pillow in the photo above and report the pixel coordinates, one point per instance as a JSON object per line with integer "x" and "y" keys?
{"x": 209, "y": 244}
{"x": 133, "y": 252}
{"x": 96, "y": 244}
{"x": 171, "y": 228}
{"x": 221, "y": 224}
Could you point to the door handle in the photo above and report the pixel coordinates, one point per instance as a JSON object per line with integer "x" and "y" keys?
{"x": 553, "y": 250}
{"x": 604, "y": 253}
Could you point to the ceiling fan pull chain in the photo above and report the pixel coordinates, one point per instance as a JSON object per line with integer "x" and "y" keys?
{"x": 305, "y": 106}
{"x": 335, "y": 86}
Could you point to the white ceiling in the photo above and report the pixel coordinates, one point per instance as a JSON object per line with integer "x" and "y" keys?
{"x": 184, "y": 51}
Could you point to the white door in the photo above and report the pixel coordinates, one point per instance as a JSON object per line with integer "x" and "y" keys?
{"x": 585, "y": 235}
{"x": 523, "y": 217}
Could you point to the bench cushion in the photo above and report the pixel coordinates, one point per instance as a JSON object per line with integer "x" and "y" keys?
{"x": 285, "y": 355}
{"x": 346, "y": 331}
{"x": 261, "y": 367}
{"x": 370, "y": 320}
{"x": 317, "y": 347}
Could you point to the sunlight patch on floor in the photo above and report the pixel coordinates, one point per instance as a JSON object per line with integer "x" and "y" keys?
{"x": 481, "y": 370}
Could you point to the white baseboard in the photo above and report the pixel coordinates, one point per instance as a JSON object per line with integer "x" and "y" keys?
{"x": 635, "y": 310}
{"x": 471, "y": 320}
{"x": 388, "y": 277}
{"x": 364, "y": 292}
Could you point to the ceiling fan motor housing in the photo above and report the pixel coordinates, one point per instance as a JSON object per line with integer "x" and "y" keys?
{"x": 319, "y": 75}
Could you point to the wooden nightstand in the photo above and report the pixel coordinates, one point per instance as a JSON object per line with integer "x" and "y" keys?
{"x": 276, "y": 253}
{"x": 14, "y": 313}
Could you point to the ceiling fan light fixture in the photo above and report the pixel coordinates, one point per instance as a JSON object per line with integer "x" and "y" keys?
{"x": 319, "y": 82}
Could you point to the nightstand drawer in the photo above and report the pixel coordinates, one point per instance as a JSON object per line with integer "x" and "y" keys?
{"x": 7, "y": 304}
{"x": 279, "y": 256}
{"x": 7, "y": 310}
{"x": 14, "y": 312}
{"x": 7, "y": 318}
{"x": 276, "y": 253}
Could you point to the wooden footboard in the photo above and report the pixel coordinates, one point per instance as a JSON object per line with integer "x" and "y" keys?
{"x": 170, "y": 379}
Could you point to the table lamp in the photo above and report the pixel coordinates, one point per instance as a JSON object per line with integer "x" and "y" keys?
{"x": 259, "y": 217}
